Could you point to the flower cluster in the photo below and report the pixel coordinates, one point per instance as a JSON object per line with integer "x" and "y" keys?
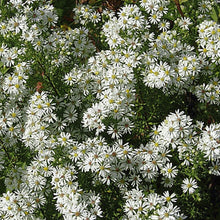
{"x": 153, "y": 206}
{"x": 208, "y": 40}
{"x": 209, "y": 143}
{"x": 71, "y": 99}
{"x": 174, "y": 66}
{"x": 209, "y": 93}
{"x": 20, "y": 204}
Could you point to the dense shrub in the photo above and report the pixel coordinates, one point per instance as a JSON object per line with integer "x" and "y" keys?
{"x": 109, "y": 109}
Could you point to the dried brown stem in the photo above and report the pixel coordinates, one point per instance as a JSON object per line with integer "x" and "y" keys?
{"x": 179, "y": 8}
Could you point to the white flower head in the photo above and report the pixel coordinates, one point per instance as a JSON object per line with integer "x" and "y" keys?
{"x": 189, "y": 185}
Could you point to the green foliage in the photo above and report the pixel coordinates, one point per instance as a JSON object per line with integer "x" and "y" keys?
{"x": 216, "y": 13}
{"x": 64, "y": 10}
{"x": 151, "y": 106}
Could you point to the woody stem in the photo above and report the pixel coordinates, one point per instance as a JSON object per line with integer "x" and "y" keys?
{"x": 179, "y": 8}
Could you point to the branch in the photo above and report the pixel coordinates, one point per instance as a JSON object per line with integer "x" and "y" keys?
{"x": 50, "y": 81}
{"x": 179, "y": 8}
{"x": 53, "y": 86}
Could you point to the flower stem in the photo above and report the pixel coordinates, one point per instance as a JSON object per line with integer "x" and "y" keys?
{"x": 179, "y": 8}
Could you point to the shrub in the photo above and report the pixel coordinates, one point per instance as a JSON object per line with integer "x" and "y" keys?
{"x": 111, "y": 113}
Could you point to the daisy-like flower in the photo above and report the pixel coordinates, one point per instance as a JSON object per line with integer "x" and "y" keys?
{"x": 70, "y": 114}
{"x": 155, "y": 17}
{"x": 3, "y": 48}
{"x": 169, "y": 171}
{"x": 169, "y": 198}
{"x": 64, "y": 138}
{"x": 164, "y": 25}
{"x": 215, "y": 168}
{"x": 114, "y": 132}
{"x": 205, "y": 6}
{"x": 9, "y": 58}
{"x": 3, "y": 28}
{"x": 184, "y": 23}
{"x": 95, "y": 17}
{"x": 189, "y": 185}
{"x": 37, "y": 182}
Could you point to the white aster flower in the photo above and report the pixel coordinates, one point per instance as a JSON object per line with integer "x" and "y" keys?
{"x": 189, "y": 185}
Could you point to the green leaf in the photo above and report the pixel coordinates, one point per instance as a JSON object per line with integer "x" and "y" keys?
{"x": 59, "y": 12}
{"x": 181, "y": 1}
{"x": 4, "y": 70}
{"x": 216, "y": 13}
